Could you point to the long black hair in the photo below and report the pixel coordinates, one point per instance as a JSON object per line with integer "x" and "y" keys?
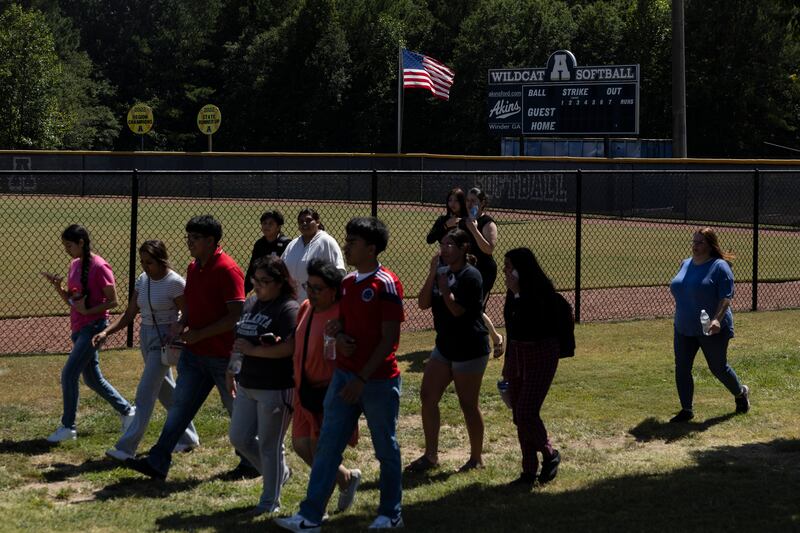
{"x": 533, "y": 282}
{"x": 461, "y": 198}
{"x": 275, "y": 268}
{"x": 75, "y": 233}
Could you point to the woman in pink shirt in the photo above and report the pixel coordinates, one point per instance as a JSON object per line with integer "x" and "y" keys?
{"x": 90, "y": 292}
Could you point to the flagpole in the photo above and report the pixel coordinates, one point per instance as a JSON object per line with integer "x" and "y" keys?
{"x": 399, "y": 98}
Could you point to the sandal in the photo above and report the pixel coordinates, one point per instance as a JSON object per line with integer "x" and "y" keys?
{"x": 423, "y": 464}
{"x": 499, "y": 347}
{"x": 472, "y": 464}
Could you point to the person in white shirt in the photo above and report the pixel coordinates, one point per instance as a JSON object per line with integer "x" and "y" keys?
{"x": 313, "y": 243}
{"x": 159, "y": 295}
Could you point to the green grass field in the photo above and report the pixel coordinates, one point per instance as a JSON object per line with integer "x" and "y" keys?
{"x": 615, "y": 253}
{"x": 624, "y": 467}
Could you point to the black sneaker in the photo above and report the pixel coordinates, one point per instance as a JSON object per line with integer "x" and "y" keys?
{"x": 684, "y": 415}
{"x": 743, "y": 400}
{"x": 143, "y": 466}
{"x": 550, "y": 468}
{"x": 525, "y": 479}
{"x": 243, "y": 471}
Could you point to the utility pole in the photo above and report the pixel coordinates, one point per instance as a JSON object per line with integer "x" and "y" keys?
{"x": 678, "y": 82}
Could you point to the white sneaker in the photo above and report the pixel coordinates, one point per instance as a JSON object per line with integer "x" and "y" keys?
{"x": 127, "y": 420}
{"x": 348, "y": 495}
{"x": 119, "y": 455}
{"x": 297, "y": 523}
{"x": 182, "y": 447}
{"x": 62, "y": 433}
{"x": 384, "y": 522}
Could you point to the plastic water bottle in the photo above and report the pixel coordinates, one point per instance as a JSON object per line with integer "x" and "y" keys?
{"x": 505, "y": 393}
{"x": 705, "y": 321}
{"x": 329, "y": 349}
{"x": 235, "y": 366}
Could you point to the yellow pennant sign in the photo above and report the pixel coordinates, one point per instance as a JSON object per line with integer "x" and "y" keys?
{"x": 208, "y": 119}
{"x": 140, "y": 119}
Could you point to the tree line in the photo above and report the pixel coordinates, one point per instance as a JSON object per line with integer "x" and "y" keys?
{"x": 321, "y": 75}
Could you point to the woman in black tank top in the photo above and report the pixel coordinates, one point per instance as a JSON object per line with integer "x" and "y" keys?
{"x": 482, "y": 230}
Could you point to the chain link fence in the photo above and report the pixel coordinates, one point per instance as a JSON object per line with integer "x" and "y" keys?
{"x": 611, "y": 240}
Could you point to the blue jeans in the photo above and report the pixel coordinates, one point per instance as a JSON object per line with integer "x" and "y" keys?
{"x": 715, "y": 350}
{"x": 84, "y": 360}
{"x": 380, "y": 403}
{"x": 156, "y": 382}
{"x": 197, "y": 375}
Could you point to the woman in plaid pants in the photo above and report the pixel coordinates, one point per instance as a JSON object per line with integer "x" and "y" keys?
{"x": 531, "y": 315}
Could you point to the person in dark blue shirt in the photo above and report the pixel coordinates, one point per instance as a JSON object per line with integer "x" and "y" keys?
{"x": 704, "y": 282}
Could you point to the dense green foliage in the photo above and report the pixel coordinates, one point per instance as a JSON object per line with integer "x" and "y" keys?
{"x": 321, "y": 75}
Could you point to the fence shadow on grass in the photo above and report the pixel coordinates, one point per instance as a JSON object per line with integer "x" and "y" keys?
{"x": 752, "y": 487}
{"x": 415, "y": 360}
{"x": 654, "y": 429}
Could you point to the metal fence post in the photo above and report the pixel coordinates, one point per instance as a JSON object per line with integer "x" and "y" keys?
{"x": 756, "y": 211}
{"x": 374, "y": 193}
{"x": 132, "y": 252}
{"x": 578, "y": 222}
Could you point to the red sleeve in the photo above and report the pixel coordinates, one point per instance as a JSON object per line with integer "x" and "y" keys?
{"x": 232, "y": 284}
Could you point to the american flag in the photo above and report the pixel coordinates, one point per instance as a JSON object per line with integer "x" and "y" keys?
{"x": 423, "y": 72}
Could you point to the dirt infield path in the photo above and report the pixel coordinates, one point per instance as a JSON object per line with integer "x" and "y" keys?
{"x": 51, "y": 334}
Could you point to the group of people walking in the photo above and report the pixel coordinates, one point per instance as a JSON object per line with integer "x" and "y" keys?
{"x": 315, "y": 347}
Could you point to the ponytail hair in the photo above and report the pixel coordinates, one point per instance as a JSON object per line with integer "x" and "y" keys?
{"x": 75, "y": 233}
{"x": 462, "y": 241}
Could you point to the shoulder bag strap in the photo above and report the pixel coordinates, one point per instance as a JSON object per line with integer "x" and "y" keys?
{"x": 153, "y": 312}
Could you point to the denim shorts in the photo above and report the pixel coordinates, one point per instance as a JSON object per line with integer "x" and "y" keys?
{"x": 473, "y": 366}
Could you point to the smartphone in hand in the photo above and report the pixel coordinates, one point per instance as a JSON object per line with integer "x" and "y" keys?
{"x": 268, "y": 339}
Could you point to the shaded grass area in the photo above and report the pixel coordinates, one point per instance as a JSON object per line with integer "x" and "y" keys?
{"x": 615, "y": 253}
{"x": 625, "y": 467}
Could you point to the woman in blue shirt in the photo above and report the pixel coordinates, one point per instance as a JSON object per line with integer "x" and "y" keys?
{"x": 704, "y": 283}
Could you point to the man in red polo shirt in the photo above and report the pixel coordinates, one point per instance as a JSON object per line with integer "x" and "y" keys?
{"x": 366, "y": 379}
{"x": 214, "y": 296}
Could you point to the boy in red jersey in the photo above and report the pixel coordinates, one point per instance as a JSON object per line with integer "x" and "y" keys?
{"x": 366, "y": 379}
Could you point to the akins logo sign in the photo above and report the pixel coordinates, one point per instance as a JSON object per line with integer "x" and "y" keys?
{"x": 504, "y": 108}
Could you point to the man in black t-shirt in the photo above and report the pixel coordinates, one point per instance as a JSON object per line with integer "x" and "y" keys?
{"x": 272, "y": 243}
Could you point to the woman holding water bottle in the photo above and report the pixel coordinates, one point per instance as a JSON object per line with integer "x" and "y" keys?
{"x": 703, "y": 290}
{"x": 314, "y": 356}
{"x": 482, "y": 231}
{"x": 260, "y": 377}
